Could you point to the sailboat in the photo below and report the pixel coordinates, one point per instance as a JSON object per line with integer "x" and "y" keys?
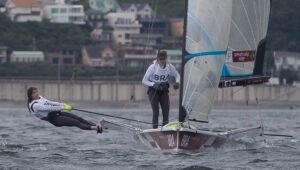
{"x": 224, "y": 45}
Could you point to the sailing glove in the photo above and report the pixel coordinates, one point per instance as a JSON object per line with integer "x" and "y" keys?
{"x": 68, "y": 107}
{"x": 176, "y": 86}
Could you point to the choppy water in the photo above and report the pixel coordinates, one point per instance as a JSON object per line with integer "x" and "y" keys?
{"x": 28, "y": 143}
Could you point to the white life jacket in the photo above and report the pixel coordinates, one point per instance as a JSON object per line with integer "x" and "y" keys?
{"x": 41, "y": 107}
{"x": 161, "y": 74}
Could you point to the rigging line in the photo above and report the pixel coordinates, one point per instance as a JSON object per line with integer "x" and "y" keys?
{"x": 267, "y": 14}
{"x": 150, "y": 30}
{"x": 247, "y": 108}
{"x": 263, "y": 18}
{"x": 238, "y": 90}
{"x": 259, "y": 110}
{"x": 248, "y": 19}
{"x": 256, "y": 20}
{"x": 244, "y": 38}
{"x": 260, "y": 20}
{"x": 226, "y": 95}
{"x": 118, "y": 117}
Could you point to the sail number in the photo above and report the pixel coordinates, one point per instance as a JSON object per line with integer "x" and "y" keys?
{"x": 171, "y": 141}
{"x": 185, "y": 140}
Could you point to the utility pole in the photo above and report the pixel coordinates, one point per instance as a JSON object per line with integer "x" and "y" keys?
{"x": 117, "y": 77}
{"x": 33, "y": 44}
{"x": 58, "y": 78}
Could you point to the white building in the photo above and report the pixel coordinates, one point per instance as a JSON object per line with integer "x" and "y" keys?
{"x": 3, "y": 54}
{"x": 104, "y": 6}
{"x": 45, "y": 2}
{"x": 24, "y": 10}
{"x": 123, "y": 25}
{"x": 140, "y": 10}
{"x": 64, "y": 13}
{"x": 2, "y": 5}
{"x": 26, "y": 56}
{"x": 286, "y": 60}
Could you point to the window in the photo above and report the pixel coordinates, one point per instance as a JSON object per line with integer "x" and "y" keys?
{"x": 133, "y": 64}
{"x": 54, "y": 10}
{"x": 127, "y": 36}
{"x": 99, "y": 24}
{"x": 63, "y": 10}
{"x": 55, "y": 60}
{"x": 68, "y": 60}
{"x": 76, "y": 10}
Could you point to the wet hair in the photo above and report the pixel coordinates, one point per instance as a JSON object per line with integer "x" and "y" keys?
{"x": 29, "y": 95}
{"x": 162, "y": 54}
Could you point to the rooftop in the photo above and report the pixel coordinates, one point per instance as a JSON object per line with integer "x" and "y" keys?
{"x": 26, "y": 3}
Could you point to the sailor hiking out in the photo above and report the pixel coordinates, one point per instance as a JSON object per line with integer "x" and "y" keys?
{"x": 53, "y": 112}
{"x": 157, "y": 78}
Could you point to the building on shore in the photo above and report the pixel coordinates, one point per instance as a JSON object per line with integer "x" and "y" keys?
{"x": 26, "y": 56}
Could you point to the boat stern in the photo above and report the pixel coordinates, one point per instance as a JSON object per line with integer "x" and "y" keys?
{"x": 176, "y": 136}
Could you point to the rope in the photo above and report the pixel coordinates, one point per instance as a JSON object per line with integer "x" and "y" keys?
{"x": 118, "y": 117}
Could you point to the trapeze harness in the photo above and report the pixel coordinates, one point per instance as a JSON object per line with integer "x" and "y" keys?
{"x": 52, "y": 112}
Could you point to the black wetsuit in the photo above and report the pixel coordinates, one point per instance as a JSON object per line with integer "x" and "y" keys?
{"x": 58, "y": 118}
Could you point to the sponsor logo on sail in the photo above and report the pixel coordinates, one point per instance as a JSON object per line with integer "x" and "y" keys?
{"x": 243, "y": 56}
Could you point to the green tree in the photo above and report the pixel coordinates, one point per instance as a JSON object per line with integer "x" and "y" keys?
{"x": 42, "y": 36}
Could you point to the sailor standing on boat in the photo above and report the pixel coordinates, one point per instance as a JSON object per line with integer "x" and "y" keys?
{"x": 157, "y": 78}
{"x": 53, "y": 112}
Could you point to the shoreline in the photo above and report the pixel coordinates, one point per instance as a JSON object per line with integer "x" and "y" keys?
{"x": 173, "y": 105}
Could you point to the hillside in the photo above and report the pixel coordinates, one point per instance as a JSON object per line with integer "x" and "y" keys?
{"x": 284, "y": 29}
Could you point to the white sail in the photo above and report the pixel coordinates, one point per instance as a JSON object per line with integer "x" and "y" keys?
{"x": 207, "y": 35}
{"x": 248, "y": 28}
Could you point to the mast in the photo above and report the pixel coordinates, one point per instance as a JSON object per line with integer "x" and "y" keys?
{"x": 182, "y": 113}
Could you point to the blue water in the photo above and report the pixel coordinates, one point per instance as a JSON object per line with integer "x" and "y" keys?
{"x": 29, "y": 143}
